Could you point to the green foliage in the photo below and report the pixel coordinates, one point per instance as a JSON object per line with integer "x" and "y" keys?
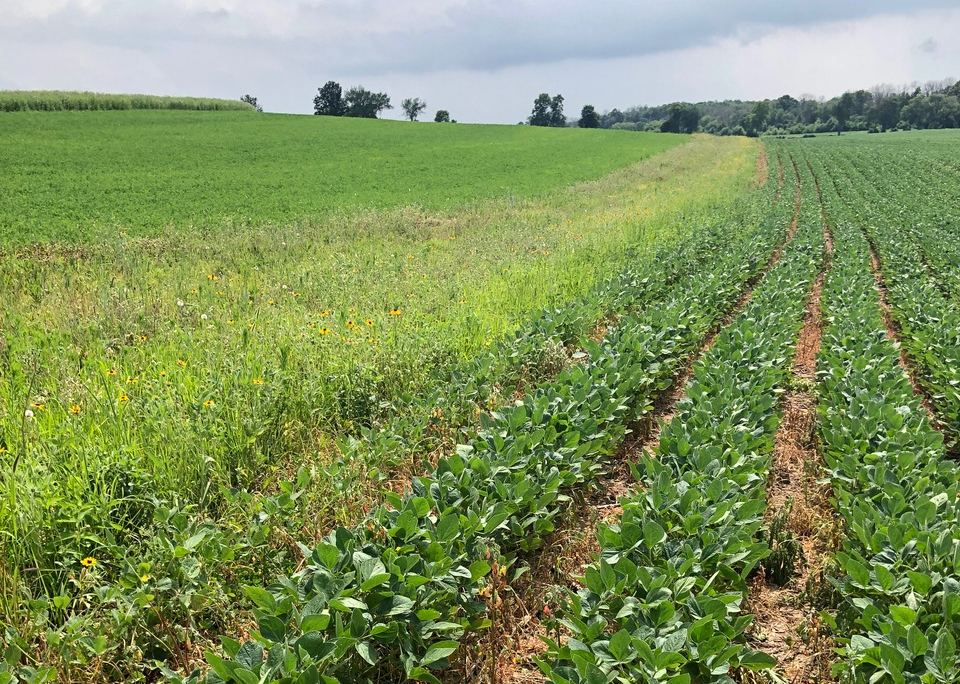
{"x": 547, "y": 111}
{"x": 364, "y": 104}
{"x": 58, "y": 101}
{"x": 83, "y": 179}
{"x": 897, "y": 576}
{"x": 442, "y": 116}
{"x": 329, "y": 100}
{"x": 195, "y": 460}
{"x": 662, "y": 604}
{"x": 683, "y": 118}
{"x": 396, "y": 593}
{"x": 588, "y": 117}
{"x": 413, "y": 108}
{"x": 883, "y": 108}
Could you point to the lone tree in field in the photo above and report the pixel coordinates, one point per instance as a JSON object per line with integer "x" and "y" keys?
{"x": 413, "y": 107}
{"x": 252, "y": 101}
{"x": 443, "y": 116}
{"x": 329, "y": 100}
{"x": 588, "y": 117}
{"x": 547, "y": 111}
{"x": 364, "y": 104}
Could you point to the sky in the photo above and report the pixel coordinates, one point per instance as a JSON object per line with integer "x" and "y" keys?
{"x": 484, "y": 61}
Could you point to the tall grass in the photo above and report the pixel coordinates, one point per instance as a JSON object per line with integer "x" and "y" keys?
{"x": 64, "y": 100}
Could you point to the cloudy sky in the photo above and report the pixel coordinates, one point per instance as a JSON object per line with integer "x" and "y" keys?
{"x": 484, "y": 60}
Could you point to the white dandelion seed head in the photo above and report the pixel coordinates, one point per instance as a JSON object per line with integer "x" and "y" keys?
{"x": 180, "y": 303}
{"x": 28, "y": 414}
{"x": 203, "y": 317}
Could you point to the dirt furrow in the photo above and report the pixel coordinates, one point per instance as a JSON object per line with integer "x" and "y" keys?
{"x": 894, "y": 334}
{"x": 781, "y": 173}
{"x": 803, "y": 529}
{"x": 574, "y": 546}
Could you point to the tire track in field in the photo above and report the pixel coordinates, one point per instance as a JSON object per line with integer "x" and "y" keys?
{"x": 785, "y": 627}
{"x": 895, "y": 334}
{"x": 574, "y": 545}
{"x": 780, "y": 179}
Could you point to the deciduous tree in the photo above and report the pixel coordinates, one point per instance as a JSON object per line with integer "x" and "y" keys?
{"x": 413, "y": 107}
{"x": 588, "y": 117}
{"x": 443, "y": 116}
{"x": 547, "y": 111}
{"x": 364, "y": 104}
{"x": 329, "y": 100}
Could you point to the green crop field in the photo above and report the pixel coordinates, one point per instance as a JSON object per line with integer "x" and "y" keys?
{"x": 84, "y": 176}
{"x": 291, "y": 399}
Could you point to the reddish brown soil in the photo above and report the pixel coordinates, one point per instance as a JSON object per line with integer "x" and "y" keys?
{"x": 786, "y": 626}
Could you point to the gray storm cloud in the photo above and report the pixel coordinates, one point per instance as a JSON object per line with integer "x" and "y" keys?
{"x": 389, "y": 36}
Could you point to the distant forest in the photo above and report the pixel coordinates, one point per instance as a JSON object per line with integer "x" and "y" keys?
{"x": 935, "y": 104}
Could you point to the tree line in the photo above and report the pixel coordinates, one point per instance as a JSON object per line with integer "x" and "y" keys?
{"x": 935, "y": 104}
{"x": 548, "y": 111}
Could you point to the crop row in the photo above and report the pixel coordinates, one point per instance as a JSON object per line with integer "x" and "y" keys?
{"x": 929, "y": 321}
{"x": 897, "y": 612}
{"x": 663, "y": 602}
{"x": 397, "y": 593}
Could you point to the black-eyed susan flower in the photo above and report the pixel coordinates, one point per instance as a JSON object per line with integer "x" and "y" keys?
{"x": 194, "y": 291}
{"x": 395, "y": 312}
{"x": 142, "y": 338}
{"x": 111, "y": 372}
{"x": 163, "y": 374}
{"x": 132, "y": 381}
{"x": 39, "y": 406}
{"x": 369, "y": 322}
{"x": 181, "y": 362}
{"x": 230, "y": 321}
{"x": 311, "y": 325}
{"x": 350, "y": 324}
{"x": 257, "y": 381}
{"x": 89, "y": 562}
{"x": 271, "y": 302}
{"x": 122, "y": 398}
{"x": 75, "y": 409}
{"x": 324, "y": 331}
{"x": 324, "y": 313}
{"x": 209, "y": 403}
{"x": 3, "y": 449}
